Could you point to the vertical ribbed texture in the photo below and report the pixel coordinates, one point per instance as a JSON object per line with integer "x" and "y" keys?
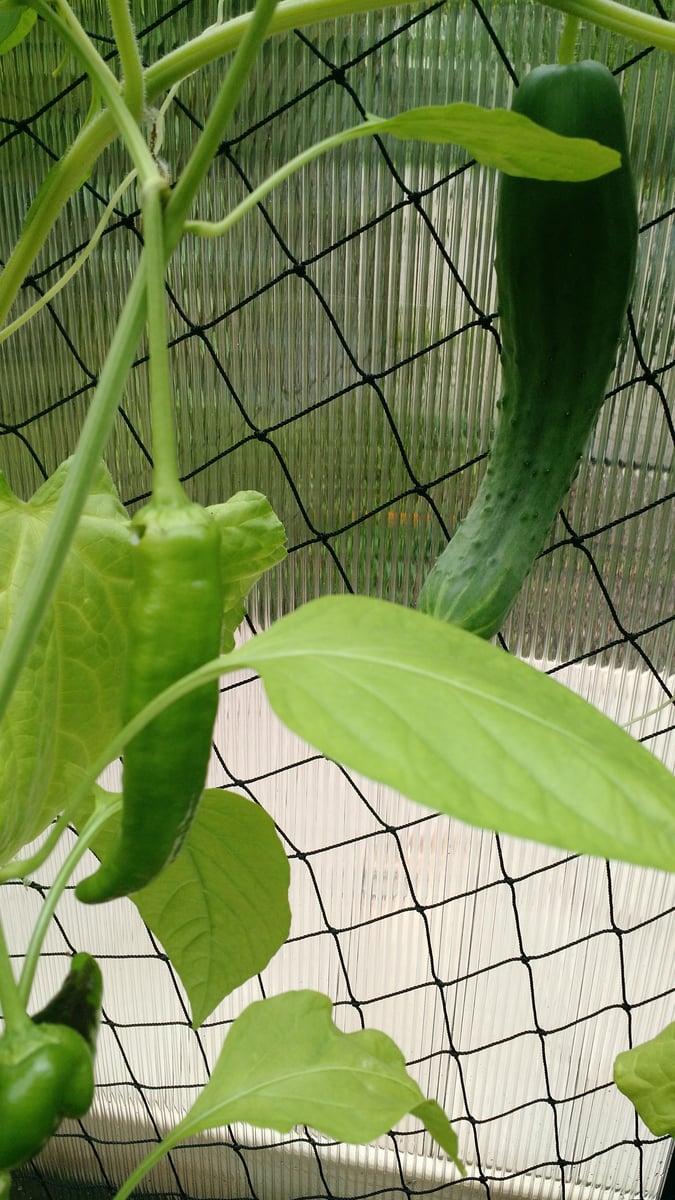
{"x": 339, "y": 352}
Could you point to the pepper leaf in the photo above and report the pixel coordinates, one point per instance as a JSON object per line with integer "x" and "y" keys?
{"x": 65, "y": 707}
{"x": 15, "y": 25}
{"x": 646, "y": 1075}
{"x": 453, "y": 722}
{"x": 285, "y": 1063}
{"x": 253, "y": 540}
{"x": 508, "y": 141}
{"x": 221, "y": 908}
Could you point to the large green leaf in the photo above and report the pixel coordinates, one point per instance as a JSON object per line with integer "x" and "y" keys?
{"x": 646, "y": 1075}
{"x": 220, "y": 909}
{"x": 66, "y": 703}
{"x": 457, "y": 724}
{"x": 285, "y": 1063}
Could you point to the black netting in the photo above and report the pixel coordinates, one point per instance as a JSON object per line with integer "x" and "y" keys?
{"x": 341, "y": 355}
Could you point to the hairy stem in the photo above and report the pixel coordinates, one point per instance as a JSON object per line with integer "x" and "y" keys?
{"x": 218, "y": 119}
{"x": 13, "y": 1009}
{"x": 102, "y": 814}
{"x": 165, "y": 483}
{"x": 133, "y": 88}
{"x": 568, "y": 40}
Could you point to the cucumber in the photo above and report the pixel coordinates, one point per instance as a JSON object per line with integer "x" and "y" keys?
{"x": 565, "y": 264}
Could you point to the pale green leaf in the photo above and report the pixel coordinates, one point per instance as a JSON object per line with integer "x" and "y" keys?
{"x": 253, "y": 540}
{"x": 15, "y": 25}
{"x": 455, "y": 723}
{"x": 65, "y": 707}
{"x": 285, "y": 1063}
{"x": 646, "y": 1075}
{"x": 503, "y": 139}
{"x": 221, "y": 909}
{"x": 434, "y": 1119}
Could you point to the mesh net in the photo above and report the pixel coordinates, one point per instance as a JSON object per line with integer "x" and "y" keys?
{"x": 340, "y": 353}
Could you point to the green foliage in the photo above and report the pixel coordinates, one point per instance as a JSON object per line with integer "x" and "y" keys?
{"x": 66, "y": 702}
{"x": 428, "y": 709}
{"x": 15, "y": 25}
{"x": 220, "y": 909}
{"x": 456, "y": 724}
{"x": 253, "y": 541}
{"x": 505, "y": 140}
{"x": 646, "y": 1075}
{"x": 285, "y": 1063}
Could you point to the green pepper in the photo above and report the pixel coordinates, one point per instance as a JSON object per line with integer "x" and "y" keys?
{"x": 46, "y": 1074}
{"x": 78, "y": 1002}
{"x": 175, "y": 626}
{"x": 47, "y": 1066}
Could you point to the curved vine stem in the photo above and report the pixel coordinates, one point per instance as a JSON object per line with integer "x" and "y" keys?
{"x": 133, "y": 88}
{"x": 637, "y": 26}
{"x": 98, "y": 818}
{"x": 23, "y": 868}
{"x": 68, "y": 173}
{"x": 79, "y": 262}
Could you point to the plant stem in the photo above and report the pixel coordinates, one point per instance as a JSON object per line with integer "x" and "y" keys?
{"x": 79, "y": 262}
{"x": 63, "y": 179}
{"x": 619, "y": 18}
{"x": 132, "y": 68}
{"x": 24, "y": 868}
{"x": 65, "y": 23}
{"x": 568, "y": 40}
{"x": 151, "y": 1159}
{"x": 211, "y": 229}
{"x": 166, "y": 487}
{"x": 98, "y": 818}
{"x": 223, "y": 39}
{"x": 98, "y": 423}
{"x": 218, "y": 119}
{"x": 13, "y": 1010}
{"x": 68, "y": 173}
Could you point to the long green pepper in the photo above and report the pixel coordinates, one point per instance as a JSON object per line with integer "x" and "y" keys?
{"x": 175, "y": 626}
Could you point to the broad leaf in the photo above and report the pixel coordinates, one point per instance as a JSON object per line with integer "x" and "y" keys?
{"x": 646, "y": 1075}
{"x": 458, "y": 725}
{"x": 253, "y": 540}
{"x": 503, "y": 139}
{"x": 66, "y": 704}
{"x": 15, "y": 25}
{"x": 221, "y": 909}
{"x": 285, "y": 1063}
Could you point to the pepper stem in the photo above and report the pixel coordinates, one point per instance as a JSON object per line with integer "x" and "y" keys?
{"x": 568, "y": 40}
{"x": 14, "y": 1013}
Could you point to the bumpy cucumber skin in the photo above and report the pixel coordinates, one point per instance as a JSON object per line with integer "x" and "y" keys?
{"x": 565, "y": 265}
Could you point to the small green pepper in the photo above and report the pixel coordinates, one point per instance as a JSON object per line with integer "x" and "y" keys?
{"x": 46, "y": 1074}
{"x": 175, "y": 626}
{"x": 77, "y": 1004}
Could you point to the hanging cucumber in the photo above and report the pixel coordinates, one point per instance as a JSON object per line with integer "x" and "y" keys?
{"x": 565, "y": 263}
